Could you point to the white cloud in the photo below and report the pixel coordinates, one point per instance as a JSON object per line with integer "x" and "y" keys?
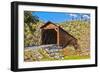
{"x": 86, "y": 16}
{"x": 73, "y": 15}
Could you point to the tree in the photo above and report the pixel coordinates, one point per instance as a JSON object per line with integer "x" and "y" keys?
{"x": 29, "y": 19}
{"x": 30, "y": 23}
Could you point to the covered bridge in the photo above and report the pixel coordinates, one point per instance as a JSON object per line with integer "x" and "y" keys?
{"x": 54, "y": 34}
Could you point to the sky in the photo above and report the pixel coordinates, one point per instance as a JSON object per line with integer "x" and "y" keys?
{"x": 57, "y": 17}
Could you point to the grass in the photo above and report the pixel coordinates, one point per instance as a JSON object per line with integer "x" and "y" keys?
{"x": 75, "y": 57}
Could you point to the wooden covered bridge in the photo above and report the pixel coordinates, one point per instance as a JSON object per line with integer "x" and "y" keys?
{"x": 54, "y": 34}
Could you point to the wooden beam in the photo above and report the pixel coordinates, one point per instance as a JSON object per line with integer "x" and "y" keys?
{"x": 58, "y": 43}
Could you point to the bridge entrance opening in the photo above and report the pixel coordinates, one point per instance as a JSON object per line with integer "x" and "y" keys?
{"x": 49, "y": 36}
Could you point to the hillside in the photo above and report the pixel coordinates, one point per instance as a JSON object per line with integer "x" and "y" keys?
{"x": 79, "y": 29}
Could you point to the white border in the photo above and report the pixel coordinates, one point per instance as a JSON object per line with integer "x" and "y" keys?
{"x": 22, "y": 64}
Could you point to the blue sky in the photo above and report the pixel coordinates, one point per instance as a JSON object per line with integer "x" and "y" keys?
{"x": 57, "y": 17}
